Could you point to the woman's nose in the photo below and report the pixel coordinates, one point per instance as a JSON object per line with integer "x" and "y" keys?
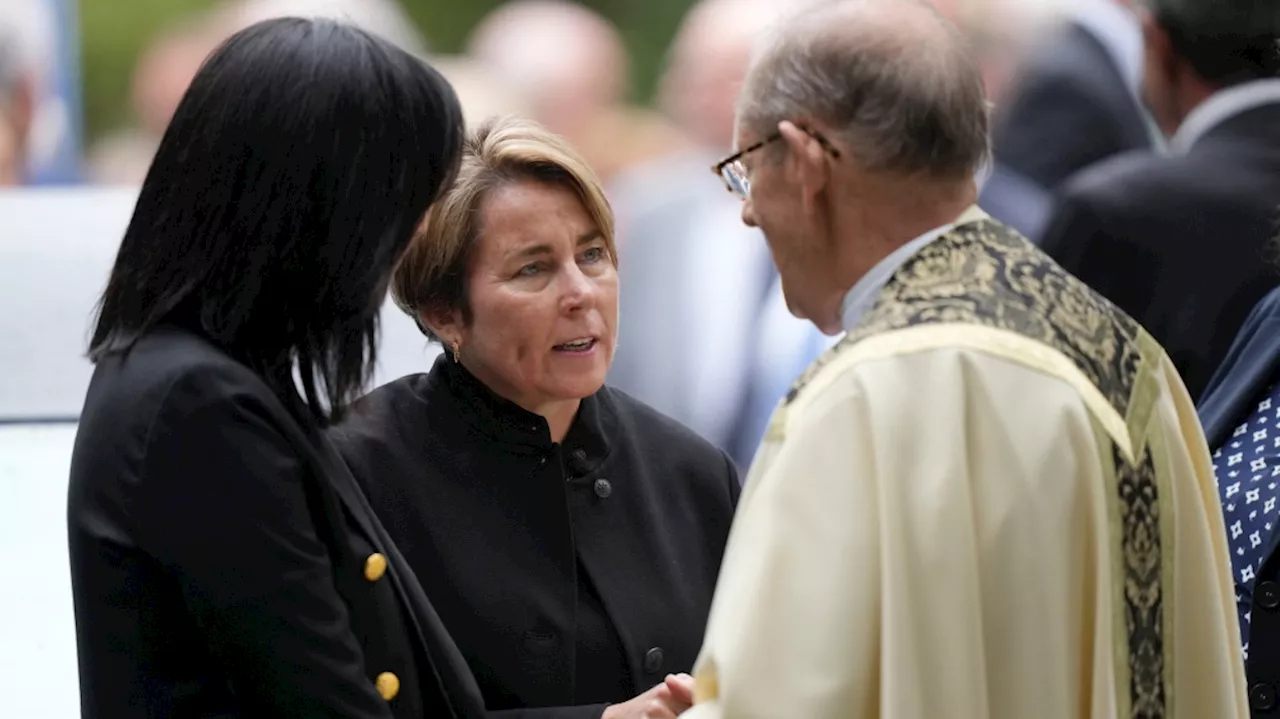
{"x": 577, "y": 288}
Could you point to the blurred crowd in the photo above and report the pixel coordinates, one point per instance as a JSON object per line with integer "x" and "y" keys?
{"x": 705, "y": 334}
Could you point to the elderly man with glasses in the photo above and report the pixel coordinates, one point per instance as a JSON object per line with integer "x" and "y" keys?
{"x": 991, "y": 498}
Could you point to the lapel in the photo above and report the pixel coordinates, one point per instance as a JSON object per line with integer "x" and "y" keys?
{"x": 442, "y": 654}
{"x": 1249, "y": 369}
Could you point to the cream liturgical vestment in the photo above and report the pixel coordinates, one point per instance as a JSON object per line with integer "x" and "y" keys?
{"x": 992, "y": 499}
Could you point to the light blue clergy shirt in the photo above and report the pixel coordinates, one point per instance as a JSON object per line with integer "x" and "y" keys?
{"x": 859, "y": 300}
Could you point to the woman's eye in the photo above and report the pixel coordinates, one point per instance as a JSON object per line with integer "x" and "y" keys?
{"x": 595, "y": 254}
{"x": 530, "y": 269}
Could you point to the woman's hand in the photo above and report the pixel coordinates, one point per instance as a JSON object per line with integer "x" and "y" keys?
{"x": 665, "y": 701}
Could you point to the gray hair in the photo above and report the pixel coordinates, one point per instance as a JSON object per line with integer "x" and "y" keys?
{"x": 906, "y": 96}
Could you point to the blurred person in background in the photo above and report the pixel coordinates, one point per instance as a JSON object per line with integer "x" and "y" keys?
{"x": 481, "y": 92}
{"x": 161, "y": 76}
{"x": 384, "y": 18}
{"x": 705, "y": 333}
{"x": 167, "y": 64}
{"x": 572, "y": 67}
{"x": 999, "y": 33}
{"x": 34, "y": 120}
{"x": 569, "y": 534}
{"x": 1078, "y": 99}
{"x": 1180, "y": 240}
{"x": 17, "y": 106}
{"x": 223, "y": 560}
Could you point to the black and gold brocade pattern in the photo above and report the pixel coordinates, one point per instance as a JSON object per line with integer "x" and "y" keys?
{"x": 1143, "y": 590}
{"x": 982, "y": 273}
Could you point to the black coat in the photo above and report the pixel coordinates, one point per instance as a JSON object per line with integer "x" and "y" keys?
{"x": 224, "y": 562}
{"x": 571, "y": 575}
{"x": 1182, "y": 243}
{"x": 1068, "y": 109}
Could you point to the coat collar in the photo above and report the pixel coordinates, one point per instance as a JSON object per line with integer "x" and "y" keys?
{"x": 1248, "y": 369}
{"x": 515, "y": 429}
{"x": 1220, "y": 110}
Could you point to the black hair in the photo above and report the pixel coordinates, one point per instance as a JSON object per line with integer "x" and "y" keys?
{"x": 289, "y": 181}
{"x": 1226, "y": 42}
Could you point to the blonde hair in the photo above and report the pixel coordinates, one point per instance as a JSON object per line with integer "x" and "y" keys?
{"x": 432, "y": 272}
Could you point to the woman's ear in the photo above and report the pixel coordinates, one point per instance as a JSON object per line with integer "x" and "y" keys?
{"x": 444, "y": 323}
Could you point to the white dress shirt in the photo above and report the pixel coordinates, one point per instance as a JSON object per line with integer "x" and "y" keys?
{"x": 1222, "y": 106}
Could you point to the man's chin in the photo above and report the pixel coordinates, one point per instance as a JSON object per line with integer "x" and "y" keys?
{"x": 831, "y": 327}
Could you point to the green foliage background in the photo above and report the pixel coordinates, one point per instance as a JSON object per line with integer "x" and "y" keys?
{"x": 114, "y": 32}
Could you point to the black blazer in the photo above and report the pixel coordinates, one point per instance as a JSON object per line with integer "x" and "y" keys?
{"x": 224, "y": 563}
{"x": 1252, "y": 365}
{"x": 1182, "y": 242}
{"x": 1067, "y": 110}
{"x": 571, "y": 575}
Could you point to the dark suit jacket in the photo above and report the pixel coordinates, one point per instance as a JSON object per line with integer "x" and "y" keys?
{"x": 1182, "y": 242}
{"x": 1252, "y": 365}
{"x": 572, "y": 575}
{"x": 223, "y": 558}
{"x": 1069, "y": 109}
{"x": 1016, "y": 201}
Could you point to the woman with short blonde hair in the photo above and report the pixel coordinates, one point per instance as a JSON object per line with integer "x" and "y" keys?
{"x": 432, "y": 270}
{"x": 569, "y": 535}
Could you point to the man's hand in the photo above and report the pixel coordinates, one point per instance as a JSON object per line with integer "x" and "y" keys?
{"x": 665, "y": 701}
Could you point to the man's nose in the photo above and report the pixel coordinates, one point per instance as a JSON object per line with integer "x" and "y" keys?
{"x": 748, "y": 213}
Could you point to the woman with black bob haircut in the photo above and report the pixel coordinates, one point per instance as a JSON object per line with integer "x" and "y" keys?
{"x": 224, "y": 562}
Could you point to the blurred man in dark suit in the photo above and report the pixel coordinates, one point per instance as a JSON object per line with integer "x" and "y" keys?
{"x": 998, "y": 32}
{"x": 1077, "y": 101}
{"x": 1180, "y": 241}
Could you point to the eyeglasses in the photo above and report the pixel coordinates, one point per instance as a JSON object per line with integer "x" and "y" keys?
{"x": 734, "y": 174}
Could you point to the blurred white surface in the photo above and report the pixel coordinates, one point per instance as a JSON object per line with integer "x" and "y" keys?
{"x": 38, "y": 674}
{"x": 56, "y": 250}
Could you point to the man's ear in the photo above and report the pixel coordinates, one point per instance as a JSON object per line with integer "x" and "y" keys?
{"x": 807, "y": 161}
{"x": 1159, "y": 54}
{"x": 1161, "y": 69}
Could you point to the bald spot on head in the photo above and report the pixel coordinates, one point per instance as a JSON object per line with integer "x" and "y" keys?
{"x": 894, "y": 77}
{"x": 912, "y": 34}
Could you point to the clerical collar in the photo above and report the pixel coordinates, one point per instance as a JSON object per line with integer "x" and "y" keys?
{"x": 1222, "y": 106}
{"x": 859, "y": 300}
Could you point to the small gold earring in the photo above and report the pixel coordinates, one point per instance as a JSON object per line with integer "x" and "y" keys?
{"x": 454, "y": 347}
